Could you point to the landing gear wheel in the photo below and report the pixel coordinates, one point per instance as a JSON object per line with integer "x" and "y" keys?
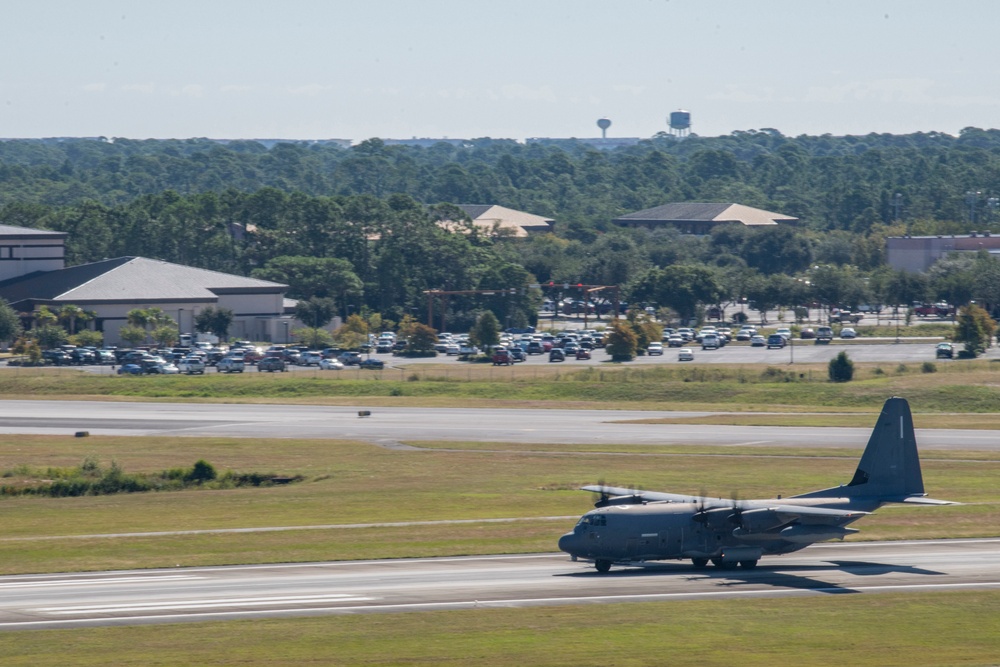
{"x": 699, "y": 562}
{"x": 717, "y": 562}
{"x": 723, "y": 564}
{"x": 748, "y": 564}
{"x": 603, "y": 566}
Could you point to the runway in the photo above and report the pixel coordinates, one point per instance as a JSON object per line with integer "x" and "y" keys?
{"x": 275, "y": 591}
{"x": 388, "y": 425}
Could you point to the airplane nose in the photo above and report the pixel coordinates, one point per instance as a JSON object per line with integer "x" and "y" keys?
{"x": 567, "y": 543}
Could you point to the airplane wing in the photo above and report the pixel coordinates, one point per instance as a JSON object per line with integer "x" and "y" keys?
{"x": 645, "y": 495}
{"x": 815, "y": 515}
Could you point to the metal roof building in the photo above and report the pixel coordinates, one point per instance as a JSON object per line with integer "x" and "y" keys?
{"x": 113, "y": 287}
{"x": 700, "y": 218}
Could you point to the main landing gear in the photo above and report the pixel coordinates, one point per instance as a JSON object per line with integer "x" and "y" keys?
{"x": 724, "y": 564}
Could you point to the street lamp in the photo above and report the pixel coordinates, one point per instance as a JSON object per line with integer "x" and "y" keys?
{"x": 285, "y": 322}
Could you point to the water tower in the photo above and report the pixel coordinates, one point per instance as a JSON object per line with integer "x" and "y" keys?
{"x": 604, "y": 124}
{"x": 680, "y": 123}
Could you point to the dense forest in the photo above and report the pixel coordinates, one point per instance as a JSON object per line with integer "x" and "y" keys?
{"x": 365, "y": 217}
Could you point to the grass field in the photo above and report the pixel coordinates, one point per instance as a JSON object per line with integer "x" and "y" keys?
{"x": 856, "y": 630}
{"x": 960, "y": 386}
{"x": 358, "y": 483}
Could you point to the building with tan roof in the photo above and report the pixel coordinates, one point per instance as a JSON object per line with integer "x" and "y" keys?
{"x": 700, "y": 218}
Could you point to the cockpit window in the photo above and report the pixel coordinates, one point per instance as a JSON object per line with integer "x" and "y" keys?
{"x": 593, "y": 520}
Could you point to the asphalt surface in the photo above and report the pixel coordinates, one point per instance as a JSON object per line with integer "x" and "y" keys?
{"x": 390, "y": 426}
{"x": 270, "y": 591}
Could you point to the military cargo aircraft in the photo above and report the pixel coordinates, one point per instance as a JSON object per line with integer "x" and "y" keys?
{"x": 631, "y": 526}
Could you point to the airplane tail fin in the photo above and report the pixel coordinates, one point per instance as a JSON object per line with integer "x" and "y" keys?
{"x": 889, "y": 469}
{"x": 890, "y": 466}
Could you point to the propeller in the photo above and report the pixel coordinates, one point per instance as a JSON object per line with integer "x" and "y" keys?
{"x": 736, "y": 518}
{"x": 601, "y": 499}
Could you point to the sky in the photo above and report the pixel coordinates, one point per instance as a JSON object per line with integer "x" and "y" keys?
{"x": 354, "y": 69}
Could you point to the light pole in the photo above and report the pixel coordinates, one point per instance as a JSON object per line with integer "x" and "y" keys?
{"x": 286, "y": 331}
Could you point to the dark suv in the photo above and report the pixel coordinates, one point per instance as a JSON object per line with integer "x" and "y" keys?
{"x": 271, "y": 364}
{"x": 775, "y": 340}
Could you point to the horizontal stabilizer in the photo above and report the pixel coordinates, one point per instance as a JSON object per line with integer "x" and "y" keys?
{"x": 922, "y": 500}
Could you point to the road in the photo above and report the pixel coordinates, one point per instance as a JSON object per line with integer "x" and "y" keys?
{"x": 268, "y": 591}
{"x": 390, "y": 425}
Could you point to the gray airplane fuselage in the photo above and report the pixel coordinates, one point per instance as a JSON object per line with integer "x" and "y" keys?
{"x": 681, "y": 530}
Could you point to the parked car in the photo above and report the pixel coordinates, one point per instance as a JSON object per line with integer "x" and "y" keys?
{"x": 685, "y": 354}
{"x": 807, "y": 334}
{"x": 350, "y": 358}
{"x": 517, "y": 353}
{"x": 56, "y": 357}
{"x": 330, "y": 365}
{"x": 191, "y": 365}
{"x": 230, "y": 365}
{"x": 784, "y": 332}
{"x": 165, "y": 368}
{"x": 535, "y": 347}
{"x": 848, "y": 332}
{"x": 757, "y": 341}
{"x": 372, "y": 364}
{"x": 451, "y": 349}
{"x": 131, "y": 369}
{"x": 502, "y": 357}
{"x": 584, "y": 353}
{"x": 675, "y": 340}
{"x": 710, "y": 341}
{"x": 272, "y": 364}
{"x": 945, "y": 351}
{"x": 746, "y": 333}
{"x": 823, "y": 335}
{"x": 311, "y": 358}
{"x": 655, "y": 349}
{"x": 557, "y": 354}
{"x": 776, "y": 340}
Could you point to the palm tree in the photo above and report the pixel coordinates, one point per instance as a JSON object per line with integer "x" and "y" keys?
{"x": 71, "y": 313}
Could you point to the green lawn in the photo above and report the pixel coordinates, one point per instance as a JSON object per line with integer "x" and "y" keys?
{"x": 357, "y": 483}
{"x": 857, "y": 630}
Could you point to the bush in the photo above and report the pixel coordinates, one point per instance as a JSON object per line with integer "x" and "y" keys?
{"x": 203, "y": 471}
{"x": 928, "y": 367}
{"x": 841, "y": 368}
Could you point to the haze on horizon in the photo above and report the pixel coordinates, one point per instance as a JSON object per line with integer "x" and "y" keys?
{"x": 310, "y": 69}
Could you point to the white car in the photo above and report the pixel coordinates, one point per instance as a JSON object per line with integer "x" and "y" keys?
{"x": 784, "y": 332}
{"x": 330, "y": 365}
{"x": 685, "y": 354}
{"x": 310, "y": 359}
{"x": 654, "y": 348}
{"x": 191, "y": 365}
{"x": 848, "y": 332}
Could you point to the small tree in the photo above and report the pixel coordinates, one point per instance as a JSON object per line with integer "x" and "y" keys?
{"x": 10, "y": 323}
{"x": 215, "y": 321}
{"x": 314, "y": 337}
{"x": 316, "y": 312}
{"x": 132, "y": 335}
{"x": 486, "y": 331}
{"x": 841, "y": 368}
{"x": 646, "y": 331}
{"x": 422, "y": 339}
{"x": 49, "y": 336}
{"x": 975, "y": 330}
{"x": 621, "y": 341}
{"x": 166, "y": 335}
{"x": 88, "y": 338}
{"x": 353, "y": 333}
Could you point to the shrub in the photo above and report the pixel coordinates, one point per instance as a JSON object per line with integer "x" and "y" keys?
{"x": 841, "y": 368}
{"x": 928, "y": 367}
{"x": 203, "y": 471}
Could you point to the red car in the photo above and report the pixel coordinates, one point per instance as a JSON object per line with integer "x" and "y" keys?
{"x": 583, "y": 354}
